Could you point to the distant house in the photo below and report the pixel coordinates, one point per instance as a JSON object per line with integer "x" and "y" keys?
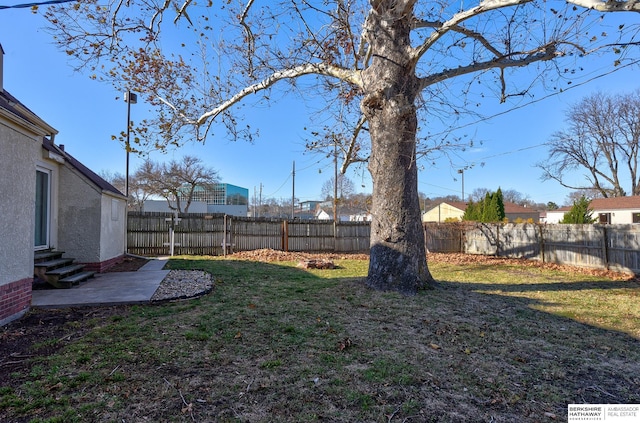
{"x": 555, "y": 216}
{"x": 309, "y": 206}
{"x": 616, "y": 210}
{"x": 49, "y": 200}
{"x": 455, "y": 210}
{"x": 306, "y": 210}
{"x": 344, "y": 214}
{"x": 322, "y": 214}
{"x": 445, "y": 210}
{"x": 514, "y": 212}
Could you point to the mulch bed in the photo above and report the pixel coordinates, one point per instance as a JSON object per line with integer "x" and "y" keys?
{"x": 129, "y": 264}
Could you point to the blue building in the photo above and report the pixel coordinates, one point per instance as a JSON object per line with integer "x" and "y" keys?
{"x": 218, "y": 198}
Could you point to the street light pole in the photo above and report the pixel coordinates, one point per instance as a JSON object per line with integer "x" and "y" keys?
{"x": 461, "y": 172}
{"x": 130, "y": 98}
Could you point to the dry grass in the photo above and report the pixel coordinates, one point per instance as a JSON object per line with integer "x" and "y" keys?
{"x": 496, "y": 341}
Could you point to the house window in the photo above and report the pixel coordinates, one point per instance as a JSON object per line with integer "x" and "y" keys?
{"x": 635, "y": 217}
{"x": 605, "y": 218}
{"x": 115, "y": 212}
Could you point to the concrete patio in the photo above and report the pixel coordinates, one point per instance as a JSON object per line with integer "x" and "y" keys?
{"x": 107, "y": 289}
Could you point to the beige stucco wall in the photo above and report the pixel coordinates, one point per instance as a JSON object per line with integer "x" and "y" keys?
{"x": 79, "y": 211}
{"x": 18, "y": 154}
{"x": 91, "y": 223}
{"x": 112, "y": 226}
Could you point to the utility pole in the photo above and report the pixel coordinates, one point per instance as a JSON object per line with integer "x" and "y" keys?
{"x": 260, "y": 202}
{"x": 293, "y": 189}
{"x": 130, "y": 98}
{"x": 335, "y": 178}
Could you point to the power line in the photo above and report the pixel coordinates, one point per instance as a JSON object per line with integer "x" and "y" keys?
{"x": 537, "y": 100}
{"x": 289, "y": 176}
{"x": 35, "y": 4}
{"x": 510, "y": 152}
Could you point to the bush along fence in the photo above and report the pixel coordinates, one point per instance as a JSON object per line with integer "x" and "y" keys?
{"x": 614, "y": 247}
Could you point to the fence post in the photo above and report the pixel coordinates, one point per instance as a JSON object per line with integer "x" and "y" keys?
{"x": 231, "y": 237}
{"x": 285, "y": 235}
{"x": 541, "y": 243}
{"x": 605, "y": 247}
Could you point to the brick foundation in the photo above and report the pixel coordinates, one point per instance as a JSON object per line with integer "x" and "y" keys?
{"x": 15, "y": 299}
{"x": 103, "y": 265}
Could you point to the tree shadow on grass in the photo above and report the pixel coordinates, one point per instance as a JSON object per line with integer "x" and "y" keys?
{"x": 541, "y": 286}
{"x": 542, "y": 349}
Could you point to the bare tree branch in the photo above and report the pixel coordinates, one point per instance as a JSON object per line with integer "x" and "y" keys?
{"x": 183, "y": 12}
{"x": 347, "y": 75}
{"x": 458, "y": 18}
{"x": 544, "y": 53}
{"x": 609, "y": 5}
{"x": 251, "y": 40}
{"x": 348, "y": 158}
{"x": 460, "y": 29}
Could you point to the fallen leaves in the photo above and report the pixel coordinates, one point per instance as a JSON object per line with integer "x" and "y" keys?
{"x": 270, "y": 255}
{"x": 316, "y": 264}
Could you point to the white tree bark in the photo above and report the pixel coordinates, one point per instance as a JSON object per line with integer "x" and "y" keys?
{"x": 608, "y": 6}
{"x": 347, "y": 75}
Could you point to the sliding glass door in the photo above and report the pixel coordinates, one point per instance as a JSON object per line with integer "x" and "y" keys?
{"x": 43, "y": 201}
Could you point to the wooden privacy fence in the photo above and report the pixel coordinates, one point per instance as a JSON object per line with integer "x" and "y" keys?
{"x": 205, "y": 234}
{"x": 615, "y": 247}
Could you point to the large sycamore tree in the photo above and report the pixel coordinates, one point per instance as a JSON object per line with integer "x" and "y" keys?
{"x": 385, "y": 69}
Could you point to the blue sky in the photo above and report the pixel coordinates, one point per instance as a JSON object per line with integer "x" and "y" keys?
{"x": 87, "y": 113}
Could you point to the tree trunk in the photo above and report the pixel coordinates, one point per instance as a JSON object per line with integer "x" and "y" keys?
{"x": 398, "y": 258}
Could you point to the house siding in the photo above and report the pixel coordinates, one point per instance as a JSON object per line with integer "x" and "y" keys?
{"x": 441, "y": 212}
{"x": 92, "y": 222}
{"x": 617, "y": 216}
{"x": 112, "y": 228}
{"x": 18, "y": 183}
{"x": 619, "y": 209}
{"x": 79, "y": 217}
